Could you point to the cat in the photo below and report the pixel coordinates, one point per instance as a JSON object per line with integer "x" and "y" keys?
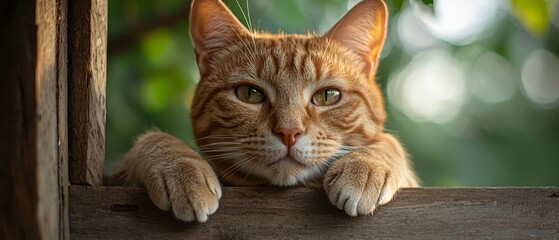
{"x": 278, "y": 110}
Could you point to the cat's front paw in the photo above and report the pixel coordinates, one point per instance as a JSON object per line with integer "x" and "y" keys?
{"x": 189, "y": 188}
{"x": 358, "y": 186}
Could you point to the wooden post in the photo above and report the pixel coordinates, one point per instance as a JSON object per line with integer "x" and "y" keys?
{"x": 18, "y": 104}
{"x": 34, "y": 196}
{"x": 87, "y": 38}
{"x": 62, "y": 118}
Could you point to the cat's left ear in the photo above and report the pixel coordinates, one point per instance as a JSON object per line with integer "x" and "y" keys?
{"x": 213, "y": 27}
{"x": 363, "y": 30}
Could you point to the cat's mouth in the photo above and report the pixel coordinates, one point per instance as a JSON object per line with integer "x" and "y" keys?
{"x": 286, "y": 161}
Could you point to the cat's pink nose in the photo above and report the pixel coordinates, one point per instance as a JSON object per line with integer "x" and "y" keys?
{"x": 289, "y": 135}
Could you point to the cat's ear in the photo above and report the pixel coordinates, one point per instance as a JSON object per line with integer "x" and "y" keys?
{"x": 363, "y": 30}
{"x": 212, "y": 27}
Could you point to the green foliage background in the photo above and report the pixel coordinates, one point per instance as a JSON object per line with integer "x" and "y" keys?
{"x": 152, "y": 75}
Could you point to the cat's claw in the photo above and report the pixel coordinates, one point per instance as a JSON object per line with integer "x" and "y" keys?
{"x": 189, "y": 189}
{"x": 359, "y": 186}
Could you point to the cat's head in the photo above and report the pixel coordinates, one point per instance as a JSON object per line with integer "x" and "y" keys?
{"x": 278, "y": 109}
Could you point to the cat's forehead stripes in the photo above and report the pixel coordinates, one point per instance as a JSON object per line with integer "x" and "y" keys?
{"x": 287, "y": 56}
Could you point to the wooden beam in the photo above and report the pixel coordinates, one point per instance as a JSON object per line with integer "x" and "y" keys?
{"x": 18, "y": 121}
{"x": 62, "y": 118}
{"x": 305, "y": 213}
{"x": 32, "y": 193}
{"x": 87, "y": 56}
{"x": 47, "y": 112}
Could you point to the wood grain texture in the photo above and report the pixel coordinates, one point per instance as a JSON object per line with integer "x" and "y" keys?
{"x": 87, "y": 38}
{"x": 18, "y": 118}
{"x": 29, "y": 170}
{"x": 62, "y": 118}
{"x": 305, "y": 213}
{"x": 47, "y": 128}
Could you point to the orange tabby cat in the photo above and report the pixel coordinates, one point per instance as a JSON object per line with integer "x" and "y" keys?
{"x": 278, "y": 110}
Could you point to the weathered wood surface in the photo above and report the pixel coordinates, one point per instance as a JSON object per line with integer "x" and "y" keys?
{"x": 48, "y": 214}
{"x": 62, "y": 118}
{"x": 87, "y": 54}
{"x": 32, "y": 194}
{"x": 305, "y": 213}
{"x": 18, "y": 128}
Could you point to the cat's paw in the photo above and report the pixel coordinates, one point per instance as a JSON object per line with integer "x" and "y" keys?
{"x": 358, "y": 186}
{"x": 189, "y": 188}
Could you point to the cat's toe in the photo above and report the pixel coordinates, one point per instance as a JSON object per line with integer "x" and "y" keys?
{"x": 206, "y": 200}
{"x": 359, "y": 187}
{"x": 387, "y": 194}
{"x": 182, "y": 210}
{"x": 380, "y": 189}
{"x": 157, "y": 190}
{"x": 190, "y": 190}
{"x": 342, "y": 191}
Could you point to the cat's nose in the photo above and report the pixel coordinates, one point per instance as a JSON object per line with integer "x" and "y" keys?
{"x": 289, "y": 135}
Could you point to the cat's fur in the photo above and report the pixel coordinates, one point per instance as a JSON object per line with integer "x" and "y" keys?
{"x": 287, "y": 139}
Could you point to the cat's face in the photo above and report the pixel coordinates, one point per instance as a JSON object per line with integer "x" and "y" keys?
{"x": 278, "y": 109}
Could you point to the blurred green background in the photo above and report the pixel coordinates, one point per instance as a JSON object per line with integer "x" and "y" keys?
{"x": 472, "y": 86}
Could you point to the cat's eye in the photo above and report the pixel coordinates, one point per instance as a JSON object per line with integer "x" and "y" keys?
{"x": 249, "y": 94}
{"x": 326, "y": 97}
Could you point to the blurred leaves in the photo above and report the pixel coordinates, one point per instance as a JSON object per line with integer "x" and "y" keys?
{"x": 533, "y": 15}
{"x": 158, "y": 47}
{"x": 159, "y": 91}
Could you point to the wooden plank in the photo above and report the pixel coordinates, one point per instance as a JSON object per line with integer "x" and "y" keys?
{"x": 47, "y": 129}
{"x": 305, "y": 213}
{"x": 30, "y": 202}
{"x": 62, "y": 118}
{"x": 87, "y": 38}
{"x": 18, "y": 128}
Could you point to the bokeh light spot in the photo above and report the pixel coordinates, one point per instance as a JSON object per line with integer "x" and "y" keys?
{"x": 493, "y": 78}
{"x": 430, "y": 88}
{"x": 540, "y": 78}
{"x": 459, "y": 22}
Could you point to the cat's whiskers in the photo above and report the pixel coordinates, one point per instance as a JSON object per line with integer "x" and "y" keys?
{"x": 252, "y": 168}
{"x": 232, "y": 171}
{"x": 251, "y": 28}
{"x": 219, "y": 144}
{"x": 246, "y": 45}
{"x": 230, "y": 136}
{"x": 222, "y": 135}
{"x": 324, "y": 167}
{"x": 224, "y": 156}
{"x": 230, "y": 156}
{"x": 240, "y": 161}
{"x": 261, "y": 149}
{"x": 235, "y": 45}
{"x": 341, "y": 151}
{"x": 221, "y": 140}
{"x": 390, "y": 130}
{"x": 221, "y": 147}
{"x": 249, "y": 25}
{"x": 251, "y": 52}
{"x": 219, "y": 151}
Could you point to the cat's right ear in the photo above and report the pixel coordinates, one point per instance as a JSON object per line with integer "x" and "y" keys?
{"x": 212, "y": 27}
{"x": 363, "y": 30}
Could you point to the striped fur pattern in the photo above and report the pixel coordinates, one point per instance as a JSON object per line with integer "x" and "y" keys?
{"x": 286, "y": 139}
{"x": 289, "y": 70}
